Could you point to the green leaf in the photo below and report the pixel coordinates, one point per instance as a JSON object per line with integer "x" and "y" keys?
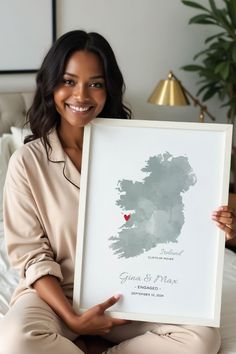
{"x": 231, "y": 102}
{"x": 215, "y": 36}
{"x": 202, "y": 81}
{"x": 223, "y": 20}
{"x": 231, "y": 7}
{"x": 220, "y": 15}
{"x": 208, "y": 73}
{"x": 204, "y": 87}
{"x": 192, "y": 67}
{"x": 201, "y": 53}
{"x": 213, "y": 6}
{"x": 194, "y": 4}
{"x": 202, "y": 19}
{"x": 226, "y": 45}
{"x": 225, "y": 104}
{"x": 226, "y": 88}
{"x": 210, "y": 93}
{"x": 223, "y": 69}
{"x": 234, "y": 53}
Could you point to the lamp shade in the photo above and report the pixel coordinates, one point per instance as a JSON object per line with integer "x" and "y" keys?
{"x": 169, "y": 93}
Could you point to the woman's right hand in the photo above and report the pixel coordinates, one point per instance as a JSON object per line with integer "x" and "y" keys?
{"x": 94, "y": 321}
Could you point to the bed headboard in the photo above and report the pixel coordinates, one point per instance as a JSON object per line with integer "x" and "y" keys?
{"x": 13, "y": 108}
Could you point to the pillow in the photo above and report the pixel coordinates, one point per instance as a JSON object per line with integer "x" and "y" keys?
{"x": 8, "y": 144}
{"x": 14, "y": 106}
{"x": 19, "y": 135}
{"x": 7, "y": 147}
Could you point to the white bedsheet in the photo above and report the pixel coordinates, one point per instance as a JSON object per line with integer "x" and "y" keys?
{"x": 9, "y": 279}
{"x": 8, "y": 276}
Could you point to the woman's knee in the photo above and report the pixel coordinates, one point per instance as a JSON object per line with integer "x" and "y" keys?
{"x": 188, "y": 339}
{"x": 13, "y": 339}
{"x": 204, "y": 340}
{"x": 20, "y": 336}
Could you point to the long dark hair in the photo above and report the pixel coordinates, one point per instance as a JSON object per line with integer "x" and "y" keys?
{"x": 43, "y": 116}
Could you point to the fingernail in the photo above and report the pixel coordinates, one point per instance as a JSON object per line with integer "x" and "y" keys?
{"x": 117, "y": 296}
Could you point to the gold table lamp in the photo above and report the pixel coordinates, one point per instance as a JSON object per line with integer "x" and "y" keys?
{"x": 171, "y": 92}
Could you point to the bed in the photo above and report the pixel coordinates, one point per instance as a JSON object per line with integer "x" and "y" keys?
{"x": 13, "y": 107}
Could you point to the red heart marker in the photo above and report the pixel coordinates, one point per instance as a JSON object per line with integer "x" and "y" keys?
{"x": 127, "y": 217}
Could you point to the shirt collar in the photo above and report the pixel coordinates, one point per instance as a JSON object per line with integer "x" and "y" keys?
{"x": 57, "y": 155}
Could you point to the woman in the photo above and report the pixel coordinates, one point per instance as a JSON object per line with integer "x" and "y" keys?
{"x": 79, "y": 80}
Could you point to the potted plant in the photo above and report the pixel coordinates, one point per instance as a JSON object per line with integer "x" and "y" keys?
{"x": 217, "y": 67}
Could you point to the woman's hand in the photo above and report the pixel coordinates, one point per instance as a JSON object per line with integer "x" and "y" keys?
{"x": 94, "y": 321}
{"x": 225, "y": 220}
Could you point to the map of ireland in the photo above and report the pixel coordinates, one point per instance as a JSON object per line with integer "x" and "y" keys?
{"x": 153, "y": 208}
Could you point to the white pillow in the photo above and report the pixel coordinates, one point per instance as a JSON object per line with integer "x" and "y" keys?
{"x": 8, "y": 144}
{"x": 7, "y": 147}
{"x": 19, "y": 135}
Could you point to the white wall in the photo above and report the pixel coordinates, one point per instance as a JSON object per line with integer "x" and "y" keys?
{"x": 149, "y": 37}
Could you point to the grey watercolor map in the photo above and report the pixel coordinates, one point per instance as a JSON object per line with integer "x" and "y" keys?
{"x": 153, "y": 209}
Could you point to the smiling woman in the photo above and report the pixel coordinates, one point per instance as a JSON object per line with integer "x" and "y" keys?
{"x": 81, "y": 73}
{"x": 82, "y": 94}
{"x": 79, "y": 79}
{"x": 78, "y": 99}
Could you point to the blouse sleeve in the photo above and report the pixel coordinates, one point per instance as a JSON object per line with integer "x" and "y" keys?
{"x": 28, "y": 246}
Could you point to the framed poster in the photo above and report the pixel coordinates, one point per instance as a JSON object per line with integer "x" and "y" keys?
{"x": 145, "y": 231}
{"x": 27, "y": 31}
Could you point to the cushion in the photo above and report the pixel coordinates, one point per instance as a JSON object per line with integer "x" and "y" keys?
{"x": 8, "y": 144}
{"x": 19, "y": 135}
{"x": 13, "y": 108}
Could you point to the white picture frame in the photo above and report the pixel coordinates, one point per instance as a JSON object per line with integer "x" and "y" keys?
{"x": 148, "y": 189}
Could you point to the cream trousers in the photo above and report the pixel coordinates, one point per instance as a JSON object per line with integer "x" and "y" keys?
{"x": 31, "y": 327}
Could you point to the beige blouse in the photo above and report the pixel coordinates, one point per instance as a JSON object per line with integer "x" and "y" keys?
{"x": 40, "y": 214}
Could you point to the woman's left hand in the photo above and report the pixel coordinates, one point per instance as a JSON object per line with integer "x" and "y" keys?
{"x": 225, "y": 219}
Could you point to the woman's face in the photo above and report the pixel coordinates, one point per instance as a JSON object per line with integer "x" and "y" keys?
{"x": 82, "y": 94}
